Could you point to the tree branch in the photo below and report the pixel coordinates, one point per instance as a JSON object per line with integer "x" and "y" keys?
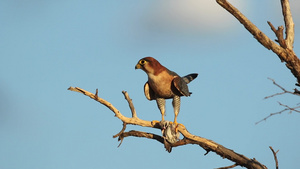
{"x": 130, "y": 104}
{"x": 287, "y": 108}
{"x": 296, "y": 92}
{"x": 258, "y": 34}
{"x": 279, "y": 34}
{"x": 133, "y": 120}
{"x": 232, "y": 166}
{"x": 290, "y": 109}
{"x": 140, "y": 134}
{"x": 275, "y": 156}
{"x": 189, "y": 138}
{"x": 285, "y": 48}
{"x": 289, "y": 23}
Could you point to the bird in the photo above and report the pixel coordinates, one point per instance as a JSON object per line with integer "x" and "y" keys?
{"x": 170, "y": 135}
{"x": 164, "y": 84}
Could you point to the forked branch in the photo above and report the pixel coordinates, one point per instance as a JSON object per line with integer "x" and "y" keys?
{"x": 189, "y": 138}
{"x": 286, "y": 107}
{"x": 275, "y": 156}
{"x": 285, "y": 48}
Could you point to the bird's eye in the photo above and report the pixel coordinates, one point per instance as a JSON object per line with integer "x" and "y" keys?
{"x": 142, "y": 62}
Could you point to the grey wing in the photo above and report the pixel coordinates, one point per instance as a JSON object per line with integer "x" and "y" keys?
{"x": 181, "y": 86}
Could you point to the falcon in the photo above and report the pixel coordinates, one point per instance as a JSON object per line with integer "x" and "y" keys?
{"x": 164, "y": 84}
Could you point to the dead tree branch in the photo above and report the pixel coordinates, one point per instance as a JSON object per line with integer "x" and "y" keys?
{"x": 287, "y": 108}
{"x": 296, "y": 92}
{"x": 189, "y": 138}
{"x": 291, "y": 109}
{"x": 285, "y": 48}
{"x": 275, "y": 156}
{"x": 232, "y": 166}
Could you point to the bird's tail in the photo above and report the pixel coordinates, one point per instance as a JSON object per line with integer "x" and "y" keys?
{"x": 188, "y": 78}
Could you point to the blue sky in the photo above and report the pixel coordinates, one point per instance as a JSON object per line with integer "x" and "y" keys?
{"x": 47, "y": 46}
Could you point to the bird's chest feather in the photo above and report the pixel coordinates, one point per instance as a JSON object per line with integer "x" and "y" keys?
{"x": 161, "y": 84}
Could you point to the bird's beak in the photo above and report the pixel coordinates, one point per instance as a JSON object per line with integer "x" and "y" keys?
{"x": 138, "y": 66}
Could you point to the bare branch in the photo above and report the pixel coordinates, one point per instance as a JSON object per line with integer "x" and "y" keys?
{"x": 285, "y": 50}
{"x": 232, "y": 166}
{"x": 289, "y": 23}
{"x": 141, "y": 134}
{"x": 275, "y": 156}
{"x": 123, "y": 129}
{"x": 279, "y": 34}
{"x": 130, "y": 104}
{"x": 296, "y": 92}
{"x": 134, "y": 120}
{"x": 189, "y": 138}
{"x": 271, "y": 114}
{"x": 258, "y": 34}
{"x": 290, "y": 109}
{"x": 287, "y": 108}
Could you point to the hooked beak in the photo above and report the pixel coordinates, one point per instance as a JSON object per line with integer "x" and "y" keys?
{"x": 138, "y": 66}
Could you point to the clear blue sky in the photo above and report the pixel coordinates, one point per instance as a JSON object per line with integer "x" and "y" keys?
{"x": 47, "y": 46}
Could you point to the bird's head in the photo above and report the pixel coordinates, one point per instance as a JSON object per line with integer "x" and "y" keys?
{"x": 149, "y": 65}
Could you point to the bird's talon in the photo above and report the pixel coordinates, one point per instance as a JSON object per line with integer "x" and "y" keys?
{"x": 154, "y": 122}
{"x": 176, "y": 126}
{"x": 181, "y": 125}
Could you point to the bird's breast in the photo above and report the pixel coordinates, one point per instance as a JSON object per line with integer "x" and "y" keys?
{"x": 161, "y": 84}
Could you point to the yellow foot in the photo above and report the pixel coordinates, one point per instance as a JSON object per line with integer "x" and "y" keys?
{"x": 154, "y": 122}
{"x": 176, "y": 125}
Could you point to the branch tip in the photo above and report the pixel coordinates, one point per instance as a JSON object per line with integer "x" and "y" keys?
{"x": 131, "y": 106}
{"x": 96, "y": 94}
{"x": 207, "y": 151}
{"x": 232, "y": 166}
{"x": 275, "y": 156}
{"x": 123, "y": 129}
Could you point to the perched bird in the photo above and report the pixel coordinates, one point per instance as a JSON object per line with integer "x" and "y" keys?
{"x": 164, "y": 84}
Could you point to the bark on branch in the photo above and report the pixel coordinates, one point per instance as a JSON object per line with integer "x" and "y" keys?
{"x": 285, "y": 48}
{"x": 189, "y": 138}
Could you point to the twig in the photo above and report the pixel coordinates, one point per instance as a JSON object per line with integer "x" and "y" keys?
{"x": 275, "y": 156}
{"x": 271, "y": 114}
{"x": 296, "y": 92}
{"x": 279, "y": 34}
{"x": 291, "y": 109}
{"x": 232, "y": 166}
{"x": 123, "y": 129}
{"x": 133, "y": 112}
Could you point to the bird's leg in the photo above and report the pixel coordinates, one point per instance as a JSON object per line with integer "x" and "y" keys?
{"x": 161, "y": 102}
{"x": 176, "y": 106}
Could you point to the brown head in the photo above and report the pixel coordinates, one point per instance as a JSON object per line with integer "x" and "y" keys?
{"x": 150, "y": 65}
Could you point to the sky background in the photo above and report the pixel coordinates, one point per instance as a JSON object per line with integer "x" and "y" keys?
{"x": 48, "y": 46}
